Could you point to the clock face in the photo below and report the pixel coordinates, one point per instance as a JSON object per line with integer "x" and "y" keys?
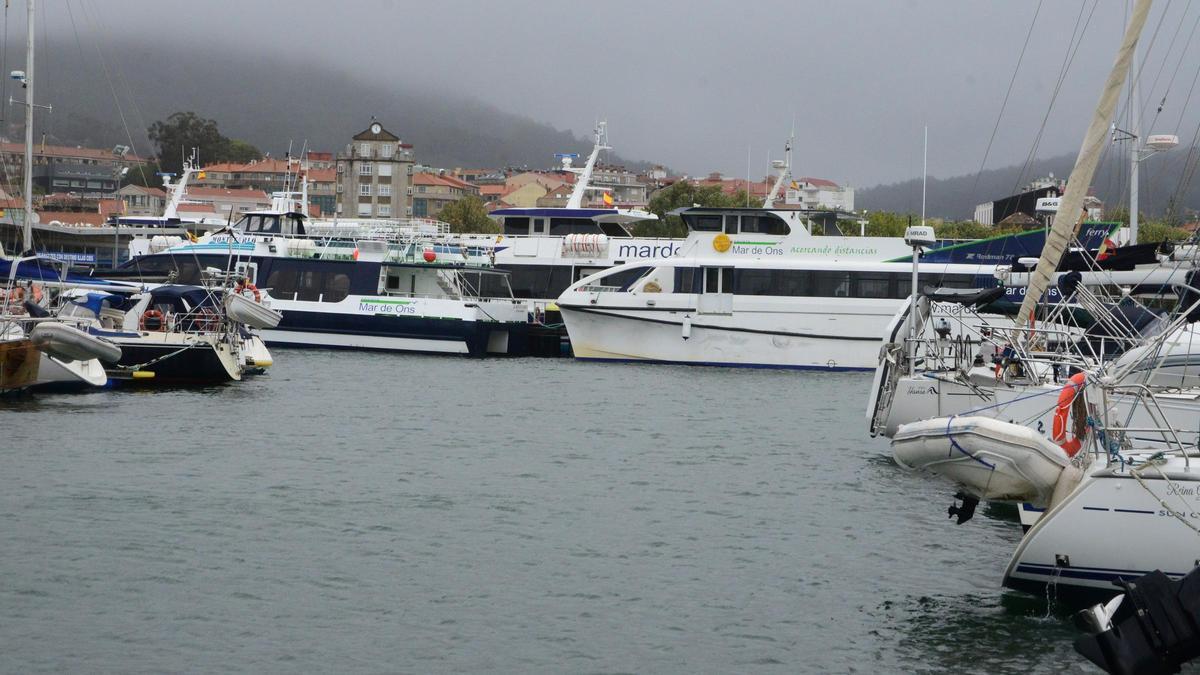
{"x": 375, "y": 128}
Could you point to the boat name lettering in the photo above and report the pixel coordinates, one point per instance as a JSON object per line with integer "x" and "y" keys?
{"x": 916, "y": 390}
{"x": 387, "y": 306}
{"x": 1180, "y": 514}
{"x": 1173, "y": 489}
{"x": 768, "y": 250}
{"x": 647, "y": 251}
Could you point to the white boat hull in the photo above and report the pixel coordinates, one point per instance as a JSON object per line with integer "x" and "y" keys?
{"x": 53, "y": 373}
{"x": 816, "y": 340}
{"x": 1110, "y": 527}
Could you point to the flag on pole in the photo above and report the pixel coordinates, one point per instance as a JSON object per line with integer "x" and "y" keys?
{"x": 608, "y": 200}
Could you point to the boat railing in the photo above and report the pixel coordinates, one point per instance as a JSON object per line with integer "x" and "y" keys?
{"x": 1145, "y": 397}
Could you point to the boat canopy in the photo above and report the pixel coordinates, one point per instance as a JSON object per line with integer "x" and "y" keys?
{"x": 180, "y": 297}
{"x": 960, "y": 296}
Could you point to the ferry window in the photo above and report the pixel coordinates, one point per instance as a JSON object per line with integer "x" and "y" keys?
{"x": 830, "y": 284}
{"x": 872, "y": 285}
{"x": 685, "y": 280}
{"x": 336, "y": 287}
{"x": 624, "y": 278}
{"x": 708, "y": 223}
{"x": 754, "y": 282}
{"x": 539, "y": 281}
{"x": 901, "y": 284}
{"x": 795, "y": 283}
{"x": 282, "y": 283}
{"x": 765, "y": 223}
{"x": 309, "y": 286}
{"x": 718, "y": 279}
{"x": 731, "y": 224}
{"x": 514, "y": 225}
{"x": 564, "y": 226}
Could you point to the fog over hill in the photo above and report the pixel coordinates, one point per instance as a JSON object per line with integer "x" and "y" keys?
{"x": 955, "y": 198}
{"x": 270, "y": 99}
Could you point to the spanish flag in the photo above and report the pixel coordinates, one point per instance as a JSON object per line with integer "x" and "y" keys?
{"x": 202, "y": 175}
{"x": 608, "y": 200}
{"x": 795, "y": 185}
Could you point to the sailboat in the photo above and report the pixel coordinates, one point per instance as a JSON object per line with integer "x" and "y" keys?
{"x": 1117, "y": 504}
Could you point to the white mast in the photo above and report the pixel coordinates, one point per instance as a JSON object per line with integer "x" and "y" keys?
{"x": 1070, "y": 210}
{"x": 27, "y": 231}
{"x": 1135, "y": 103}
{"x": 575, "y": 201}
{"x": 178, "y": 189}
{"x": 785, "y": 172}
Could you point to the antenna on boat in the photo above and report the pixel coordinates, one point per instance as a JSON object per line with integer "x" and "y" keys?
{"x": 575, "y": 201}
{"x": 784, "y": 167}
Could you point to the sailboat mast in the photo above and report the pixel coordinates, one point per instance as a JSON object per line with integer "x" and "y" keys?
{"x": 1070, "y": 210}
{"x": 1135, "y": 104}
{"x": 27, "y": 230}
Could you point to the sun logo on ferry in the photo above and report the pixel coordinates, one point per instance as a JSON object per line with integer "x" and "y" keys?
{"x": 722, "y": 242}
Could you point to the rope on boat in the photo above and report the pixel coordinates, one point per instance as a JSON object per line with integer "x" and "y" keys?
{"x": 139, "y": 366}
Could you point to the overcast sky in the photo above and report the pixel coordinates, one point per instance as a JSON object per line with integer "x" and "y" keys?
{"x": 703, "y": 86}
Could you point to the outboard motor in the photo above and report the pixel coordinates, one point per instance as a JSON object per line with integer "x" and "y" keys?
{"x": 1157, "y": 631}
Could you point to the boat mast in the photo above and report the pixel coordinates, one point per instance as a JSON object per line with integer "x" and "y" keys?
{"x": 27, "y": 230}
{"x": 1070, "y": 210}
{"x": 1135, "y": 104}
{"x": 575, "y": 201}
{"x": 785, "y": 171}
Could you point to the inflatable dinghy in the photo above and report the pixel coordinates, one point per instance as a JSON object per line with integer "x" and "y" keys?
{"x": 253, "y": 314}
{"x": 68, "y": 343}
{"x": 992, "y": 460}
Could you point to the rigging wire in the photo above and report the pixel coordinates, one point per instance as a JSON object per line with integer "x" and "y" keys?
{"x": 108, "y": 78}
{"x": 1068, "y": 59}
{"x": 1011, "y": 82}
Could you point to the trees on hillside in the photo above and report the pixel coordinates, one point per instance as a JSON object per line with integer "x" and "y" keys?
{"x": 175, "y": 137}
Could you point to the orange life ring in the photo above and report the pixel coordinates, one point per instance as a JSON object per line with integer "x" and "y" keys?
{"x": 154, "y": 314}
{"x": 1065, "y": 398}
{"x": 244, "y": 286}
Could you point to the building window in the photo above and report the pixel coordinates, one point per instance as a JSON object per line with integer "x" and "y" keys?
{"x": 364, "y": 149}
{"x": 364, "y": 209}
{"x": 385, "y": 190}
{"x": 340, "y": 186}
{"x": 385, "y": 169}
{"x": 385, "y": 209}
{"x": 386, "y": 150}
{"x": 364, "y": 168}
{"x": 364, "y": 190}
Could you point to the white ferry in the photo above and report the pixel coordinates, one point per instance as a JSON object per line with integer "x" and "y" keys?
{"x": 755, "y": 304}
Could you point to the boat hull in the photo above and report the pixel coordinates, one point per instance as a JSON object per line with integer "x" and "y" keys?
{"x": 1110, "y": 528}
{"x": 19, "y": 364}
{"x": 658, "y": 337}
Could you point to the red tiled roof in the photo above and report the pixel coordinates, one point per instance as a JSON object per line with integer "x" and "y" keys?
{"x": 67, "y": 151}
{"x": 198, "y": 208}
{"x": 111, "y": 206}
{"x": 818, "y": 182}
{"x": 71, "y": 218}
{"x": 322, "y": 175}
{"x": 435, "y": 179}
{"x": 493, "y": 190}
{"x": 225, "y": 192}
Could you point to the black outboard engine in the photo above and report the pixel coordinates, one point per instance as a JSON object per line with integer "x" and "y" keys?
{"x": 1153, "y": 628}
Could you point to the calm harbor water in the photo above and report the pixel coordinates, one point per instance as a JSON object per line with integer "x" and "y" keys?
{"x": 393, "y": 513}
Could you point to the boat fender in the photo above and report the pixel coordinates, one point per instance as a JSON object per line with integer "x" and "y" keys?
{"x": 687, "y": 327}
{"x": 1065, "y": 399}
{"x": 245, "y": 285}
